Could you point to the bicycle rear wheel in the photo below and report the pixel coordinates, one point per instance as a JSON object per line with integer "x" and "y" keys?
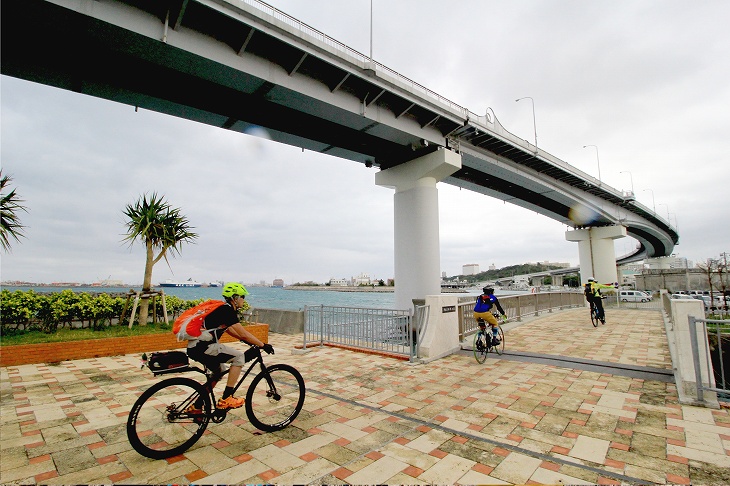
{"x": 159, "y": 424}
{"x": 480, "y": 347}
{"x": 275, "y": 397}
{"x": 594, "y": 318}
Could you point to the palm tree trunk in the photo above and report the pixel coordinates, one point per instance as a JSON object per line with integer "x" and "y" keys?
{"x": 146, "y": 285}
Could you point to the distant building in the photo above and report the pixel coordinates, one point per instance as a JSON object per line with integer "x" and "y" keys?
{"x": 470, "y": 269}
{"x": 667, "y": 262}
{"x": 492, "y": 267}
{"x": 338, "y": 282}
{"x": 277, "y": 283}
{"x": 362, "y": 279}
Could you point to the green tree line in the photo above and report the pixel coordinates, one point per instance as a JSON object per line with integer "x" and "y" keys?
{"x": 505, "y": 272}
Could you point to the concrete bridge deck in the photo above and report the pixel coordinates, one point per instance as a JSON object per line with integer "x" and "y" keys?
{"x": 371, "y": 419}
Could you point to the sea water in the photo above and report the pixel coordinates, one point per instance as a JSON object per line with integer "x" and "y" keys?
{"x": 258, "y": 297}
{"x": 266, "y": 297}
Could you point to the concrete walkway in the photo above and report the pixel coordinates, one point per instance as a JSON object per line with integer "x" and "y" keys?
{"x": 371, "y": 419}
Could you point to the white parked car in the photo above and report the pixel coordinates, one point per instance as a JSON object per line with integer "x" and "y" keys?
{"x": 705, "y": 300}
{"x": 633, "y": 296}
{"x": 722, "y": 301}
{"x": 682, "y": 297}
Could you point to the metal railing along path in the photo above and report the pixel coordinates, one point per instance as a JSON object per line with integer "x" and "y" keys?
{"x": 716, "y": 360}
{"x": 382, "y": 330}
{"x": 519, "y": 306}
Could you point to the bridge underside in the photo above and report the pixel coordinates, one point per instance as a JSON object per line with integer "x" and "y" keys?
{"x": 192, "y": 60}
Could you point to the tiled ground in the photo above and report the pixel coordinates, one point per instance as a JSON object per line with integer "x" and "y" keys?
{"x": 371, "y": 419}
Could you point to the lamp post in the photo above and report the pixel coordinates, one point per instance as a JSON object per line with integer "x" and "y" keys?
{"x": 630, "y": 177}
{"x": 667, "y": 205}
{"x": 371, "y": 30}
{"x": 597, "y": 161}
{"x": 653, "y": 203}
{"x": 534, "y": 124}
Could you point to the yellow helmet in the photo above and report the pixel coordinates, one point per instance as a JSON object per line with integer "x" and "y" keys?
{"x": 233, "y": 288}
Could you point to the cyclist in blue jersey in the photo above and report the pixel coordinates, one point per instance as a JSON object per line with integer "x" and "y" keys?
{"x": 482, "y": 310}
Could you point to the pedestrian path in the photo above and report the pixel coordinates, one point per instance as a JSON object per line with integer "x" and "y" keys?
{"x": 372, "y": 419}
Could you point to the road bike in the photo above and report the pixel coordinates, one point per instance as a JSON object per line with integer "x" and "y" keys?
{"x": 594, "y": 315}
{"x": 484, "y": 341}
{"x": 170, "y": 416}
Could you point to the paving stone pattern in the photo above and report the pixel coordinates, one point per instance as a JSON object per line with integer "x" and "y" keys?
{"x": 373, "y": 419}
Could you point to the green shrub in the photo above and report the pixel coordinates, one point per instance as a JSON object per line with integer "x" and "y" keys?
{"x": 27, "y": 311}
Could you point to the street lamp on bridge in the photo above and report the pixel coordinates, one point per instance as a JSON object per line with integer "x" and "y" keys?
{"x": 653, "y": 203}
{"x": 597, "y": 161}
{"x": 534, "y": 124}
{"x": 630, "y": 177}
{"x": 667, "y": 205}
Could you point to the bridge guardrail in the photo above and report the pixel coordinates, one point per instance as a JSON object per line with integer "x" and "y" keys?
{"x": 366, "y": 60}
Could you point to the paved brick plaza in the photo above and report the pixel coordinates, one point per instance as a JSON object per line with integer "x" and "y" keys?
{"x": 372, "y": 419}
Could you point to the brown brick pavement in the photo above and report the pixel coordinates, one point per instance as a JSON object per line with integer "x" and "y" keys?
{"x": 371, "y": 419}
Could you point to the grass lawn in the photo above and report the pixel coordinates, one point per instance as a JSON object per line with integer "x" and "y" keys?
{"x": 65, "y": 334}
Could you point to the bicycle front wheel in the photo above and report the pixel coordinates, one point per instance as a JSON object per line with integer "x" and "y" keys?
{"x": 480, "y": 347}
{"x": 161, "y": 423}
{"x": 275, "y": 397}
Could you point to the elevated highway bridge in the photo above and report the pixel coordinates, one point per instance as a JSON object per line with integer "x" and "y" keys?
{"x": 242, "y": 65}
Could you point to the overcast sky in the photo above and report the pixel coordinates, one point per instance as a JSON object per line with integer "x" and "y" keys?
{"x": 647, "y": 82}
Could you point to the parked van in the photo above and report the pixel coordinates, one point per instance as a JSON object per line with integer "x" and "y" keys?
{"x": 633, "y": 296}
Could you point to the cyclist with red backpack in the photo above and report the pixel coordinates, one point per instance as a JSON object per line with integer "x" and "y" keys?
{"x": 209, "y": 351}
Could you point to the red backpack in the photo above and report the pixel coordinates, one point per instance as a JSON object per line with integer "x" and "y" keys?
{"x": 189, "y": 325}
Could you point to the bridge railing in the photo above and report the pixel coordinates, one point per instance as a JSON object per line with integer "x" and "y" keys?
{"x": 519, "y": 306}
{"x": 349, "y": 51}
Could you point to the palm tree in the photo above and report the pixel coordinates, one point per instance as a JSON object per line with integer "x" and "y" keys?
{"x": 158, "y": 226}
{"x": 9, "y": 208}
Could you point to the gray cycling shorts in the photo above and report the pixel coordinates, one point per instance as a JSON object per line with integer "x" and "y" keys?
{"x": 215, "y": 354}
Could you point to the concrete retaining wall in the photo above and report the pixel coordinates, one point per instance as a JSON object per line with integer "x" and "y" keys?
{"x": 281, "y": 321}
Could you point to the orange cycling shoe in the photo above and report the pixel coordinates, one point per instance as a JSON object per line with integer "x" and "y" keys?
{"x": 230, "y": 402}
{"x": 194, "y": 409}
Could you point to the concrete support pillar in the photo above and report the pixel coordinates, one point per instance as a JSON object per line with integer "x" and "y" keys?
{"x": 417, "y": 250}
{"x": 558, "y": 280}
{"x": 441, "y": 337}
{"x": 595, "y": 251}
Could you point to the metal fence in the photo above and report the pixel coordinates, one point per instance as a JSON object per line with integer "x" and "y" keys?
{"x": 718, "y": 361}
{"x": 519, "y": 306}
{"x": 386, "y": 330}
